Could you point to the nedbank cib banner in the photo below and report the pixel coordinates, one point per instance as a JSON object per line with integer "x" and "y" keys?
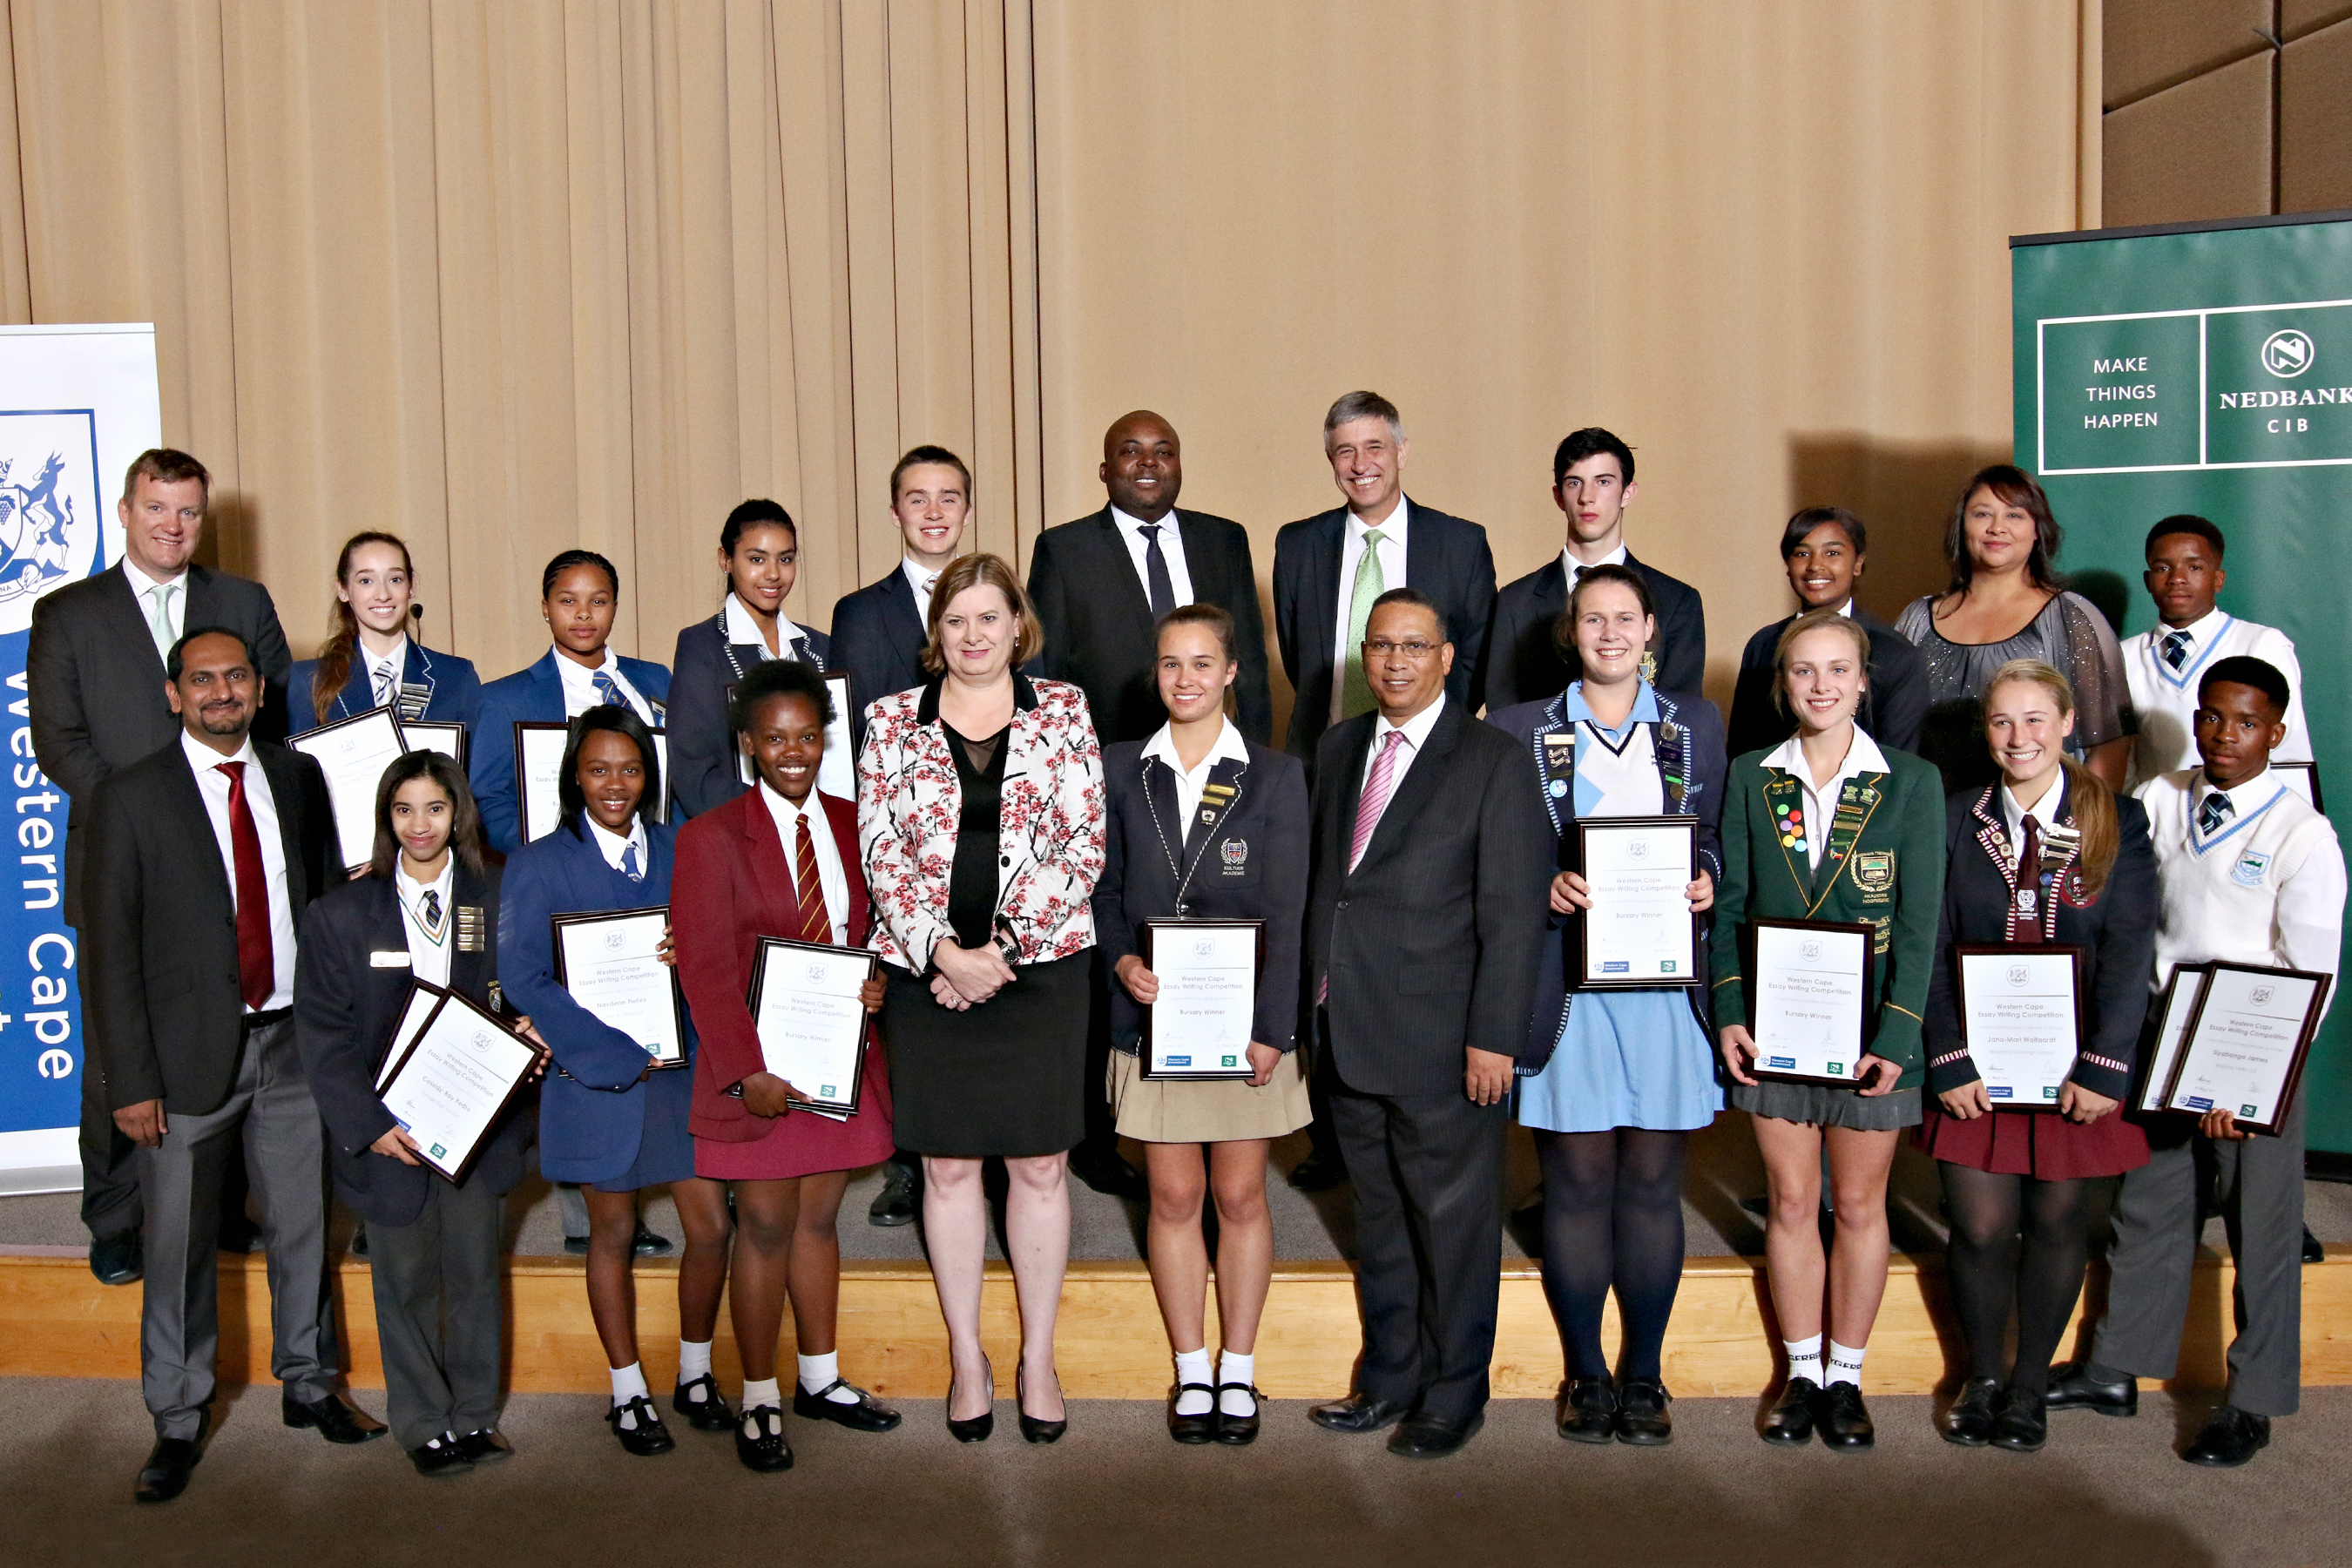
{"x": 2207, "y": 369}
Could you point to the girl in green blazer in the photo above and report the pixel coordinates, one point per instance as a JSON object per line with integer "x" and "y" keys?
{"x": 1828, "y": 826}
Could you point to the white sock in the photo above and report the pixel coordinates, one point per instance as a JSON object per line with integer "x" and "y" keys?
{"x": 693, "y": 1359}
{"x": 1234, "y": 1367}
{"x": 819, "y": 1373}
{"x": 1804, "y": 1357}
{"x": 762, "y": 1392}
{"x": 628, "y": 1383}
{"x": 1193, "y": 1366}
{"x": 1845, "y": 1364}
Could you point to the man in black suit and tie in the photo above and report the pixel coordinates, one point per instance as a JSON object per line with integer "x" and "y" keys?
{"x": 879, "y": 630}
{"x": 201, "y": 857}
{"x": 94, "y": 678}
{"x": 1424, "y": 920}
{"x": 1101, "y": 584}
{"x": 1593, "y": 483}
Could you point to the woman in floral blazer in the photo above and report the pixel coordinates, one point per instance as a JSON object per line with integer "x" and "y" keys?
{"x": 979, "y": 814}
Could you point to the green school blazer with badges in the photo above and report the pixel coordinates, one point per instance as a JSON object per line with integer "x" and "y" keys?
{"x": 1883, "y": 867}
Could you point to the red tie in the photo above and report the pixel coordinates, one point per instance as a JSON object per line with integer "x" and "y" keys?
{"x": 256, "y": 966}
{"x": 816, "y": 926}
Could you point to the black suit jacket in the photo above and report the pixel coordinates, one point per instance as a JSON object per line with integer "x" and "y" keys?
{"x": 1097, "y": 620}
{"x": 344, "y": 1010}
{"x": 1519, "y": 662}
{"x": 1445, "y": 557}
{"x": 1430, "y": 945}
{"x": 1892, "y": 710}
{"x": 158, "y": 945}
{"x": 96, "y": 683}
{"x": 878, "y": 638}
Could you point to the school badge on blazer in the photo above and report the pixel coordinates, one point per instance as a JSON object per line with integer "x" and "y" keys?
{"x": 1234, "y": 853}
{"x": 1873, "y": 872}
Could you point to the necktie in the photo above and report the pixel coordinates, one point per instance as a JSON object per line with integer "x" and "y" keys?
{"x": 1370, "y": 584}
{"x": 610, "y": 690}
{"x": 2176, "y": 649}
{"x": 159, "y": 622}
{"x": 1378, "y": 786}
{"x": 2213, "y": 813}
{"x": 2029, "y": 867}
{"x": 630, "y": 868}
{"x": 816, "y": 926}
{"x": 256, "y": 966}
{"x": 384, "y": 683}
{"x": 1155, "y": 572}
{"x": 432, "y": 911}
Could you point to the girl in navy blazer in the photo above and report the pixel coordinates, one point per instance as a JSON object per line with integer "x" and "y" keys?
{"x": 607, "y": 1120}
{"x": 579, "y": 594}
{"x": 428, "y": 910}
{"x": 760, "y": 548}
{"x": 1205, "y": 824}
{"x": 369, "y": 659}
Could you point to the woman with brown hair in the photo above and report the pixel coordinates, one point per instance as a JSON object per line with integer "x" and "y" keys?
{"x": 2047, "y": 854}
{"x": 369, "y": 660}
{"x": 979, "y": 812}
{"x": 2005, "y": 602}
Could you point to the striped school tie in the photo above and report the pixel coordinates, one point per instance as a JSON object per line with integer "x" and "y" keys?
{"x": 815, "y": 925}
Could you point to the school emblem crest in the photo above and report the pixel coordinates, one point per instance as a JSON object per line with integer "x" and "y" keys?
{"x": 1874, "y": 871}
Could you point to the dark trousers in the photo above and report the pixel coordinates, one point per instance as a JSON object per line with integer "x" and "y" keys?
{"x": 439, "y": 1315}
{"x": 1429, "y": 1243}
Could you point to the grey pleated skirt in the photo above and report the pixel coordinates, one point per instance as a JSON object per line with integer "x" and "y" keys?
{"x": 1827, "y": 1105}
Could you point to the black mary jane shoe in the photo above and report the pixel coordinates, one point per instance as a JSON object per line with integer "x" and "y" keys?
{"x": 707, "y": 1413}
{"x": 648, "y": 1437}
{"x": 1200, "y": 1428}
{"x": 438, "y": 1456}
{"x": 1642, "y": 1418}
{"x": 485, "y": 1444}
{"x": 1969, "y": 1421}
{"x": 978, "y": 1427}
{"x": 333, "y": 1420}
{"x": 1237, "y": 1431}
{"x": 1843, "y": 1422}
{"x": 767, "y": 1453}
{"x": 1790, "y": 1421}
{"x": 2072, "y": 1387}
{"x": 2230, "y": 1437}
{"x": 1032, "y": 1429}
{"x": 2023, "y": 1424}
{"x": 864, "y": 1414}
{"x": 1588, "y": 1410}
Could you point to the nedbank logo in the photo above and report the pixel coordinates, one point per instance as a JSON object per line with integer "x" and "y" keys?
{"x": 2287, "y": 354}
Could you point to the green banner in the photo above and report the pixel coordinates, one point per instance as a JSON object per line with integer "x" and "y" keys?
{"x": 2208, "y": 370}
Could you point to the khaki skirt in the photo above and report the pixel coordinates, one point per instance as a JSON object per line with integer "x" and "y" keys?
{"x": 1187, "y": 1111}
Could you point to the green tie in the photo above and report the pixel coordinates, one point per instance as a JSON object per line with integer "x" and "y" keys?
{"x": 160, "y": 623}
{"x": 1355, "y": 692}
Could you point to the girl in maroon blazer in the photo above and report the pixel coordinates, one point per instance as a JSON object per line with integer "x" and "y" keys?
{"x": 779, "y": 860}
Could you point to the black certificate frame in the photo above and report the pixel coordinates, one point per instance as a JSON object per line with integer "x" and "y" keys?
{"x": 1152, "y": 926}
{"x": 772, "y": 944}
{"x": 2080, "y": 969}
{"x": 1858, "y": 929}
{"x": 465, "y": 1168}
{"x": 2292, "y": 1083}
{"x": 557, "y": 925}
{"x": 387, "y": 711}
{"x": 454, "y": 726}
{"x": 1581, "y": 981}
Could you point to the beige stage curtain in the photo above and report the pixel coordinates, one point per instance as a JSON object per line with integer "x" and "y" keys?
{"x": 507, "y": 276}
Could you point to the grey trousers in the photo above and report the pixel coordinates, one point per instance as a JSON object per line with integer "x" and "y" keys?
{"x": 2258, "y": 1184}
{"x": 271, "y": 1112}
{"x": 439, "y": 1315}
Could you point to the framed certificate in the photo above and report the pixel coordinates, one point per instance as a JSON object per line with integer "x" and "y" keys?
{"x": 1808, "y": 999}
{"x": 422, "y": 997}
{"x": 445, "y": 736}
{"x": 1201, "y": 1026}
{"x": 2246, "y": 1042}
{"x": 2181, "y": 995}
{"x": 2304, "y": 779}
{"x": 837, "y": 774}
{"x": 811, "y": 1020}
{"x": 2021, "y": 1016}
{"x": 538, "y": 757}
{"x": 453, "y": 1082}
{"x": 608, "y": 960}
{"x": 1640, "y": 931}
{"x": 353, "y": 753}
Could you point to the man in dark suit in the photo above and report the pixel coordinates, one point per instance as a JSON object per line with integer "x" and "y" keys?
{"x": 1592, "y": 483}
{"x": 94, "y": 678}
{"x": 1101, "y": 584}
{"x": 879, "y": 630}
{"x": 1425, "y": 920}
{"x": 201, "y": 857}
{"x": 1325, "y": 579}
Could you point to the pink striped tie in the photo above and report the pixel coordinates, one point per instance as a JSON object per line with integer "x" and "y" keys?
{"x": 1369, "y": 807}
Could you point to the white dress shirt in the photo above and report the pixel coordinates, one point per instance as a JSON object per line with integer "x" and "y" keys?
{"x": 616, "y": 848}
{"x": 743, "y": 627}
{"x": 428, "y": 952}
{"x": 1415, "y": 731}
{"x": 830, "y": 879}
{"x": 213, "y": 785}
{"x": 2043, "y": 811}
{"x": 1171, "y": 549}
{"x": 1351, "y": 553}
{"x": 1189, "y": 784}
{"x": 1576, "y": 569}
{"x": 921, "y": 579}
{"x": 385, "y": 670}
{"x": 1821, "y": 800}
{"x": 579, "y": 693}
{"x": 2166, "y": 699}
{"x": 166, "y": 628}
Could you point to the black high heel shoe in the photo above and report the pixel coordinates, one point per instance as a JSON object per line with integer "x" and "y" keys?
{"x": 1033, "y": 1429}
{"x": 977, "y": 1429}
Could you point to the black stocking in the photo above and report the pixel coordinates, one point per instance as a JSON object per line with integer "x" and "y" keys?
{"x": 2016, "y": 1239}
{"x": 1613, "y": 1215}
{"x": 2058, "y": 1220}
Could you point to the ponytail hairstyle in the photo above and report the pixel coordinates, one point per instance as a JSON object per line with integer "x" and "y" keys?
{"x": 2089, "y": 799}
{"x": 335, "y": 655}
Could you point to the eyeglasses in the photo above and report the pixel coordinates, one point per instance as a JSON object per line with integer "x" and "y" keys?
{"x": 1416, "y": 652}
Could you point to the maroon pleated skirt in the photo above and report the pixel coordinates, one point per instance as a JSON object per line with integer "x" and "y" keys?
{"x": 2037, "y": 1143}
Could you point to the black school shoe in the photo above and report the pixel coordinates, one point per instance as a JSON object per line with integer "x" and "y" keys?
{"x": 866, "y": 1413}
{"x": 2230, "y": 1437}
{"x": 1200, "y": 1428}
{"x": 707, "y": 1412}
{"x": 1642, "y": 1418}
{"x": 1237, "y": 1431}
{"x": 1844, "y": 1424}
{"x": 768, "y": 1452}
{"x": 2023, "y": 1424}
{"x": 1588, "y": 1410}
{"x": 1791, "y": 1420}
{"x": 648, "y": 1437}
{"x": 485, "y": 1444}
{"x": 1969, "y": 1421}
{"x": 438, "y": 1456}
{"x": 2072, "y": 1387}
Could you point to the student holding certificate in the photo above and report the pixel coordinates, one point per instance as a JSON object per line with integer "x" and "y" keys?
{"x": 426, "y": 911}
{"x": 777, "y": 861}
{"x": 1828, "y": 827}
{"x": 607, "y": 1120}
{"x": 2248, "y": 873}
{"x": 2046, "y": 855}
{"x": 1613, "y": 1081}
{"x": 369, "y": 660}
{"x": 1205, "y": 824}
